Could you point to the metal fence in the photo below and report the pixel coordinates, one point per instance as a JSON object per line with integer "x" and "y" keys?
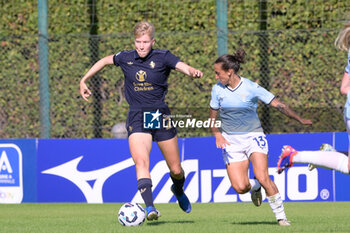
{"x": 289, "y": 49}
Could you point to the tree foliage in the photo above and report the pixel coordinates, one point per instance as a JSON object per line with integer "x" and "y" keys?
{"x": 304, "y": 68}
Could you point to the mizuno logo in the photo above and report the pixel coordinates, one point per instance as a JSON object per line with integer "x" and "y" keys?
{"x": 93, "y": 194}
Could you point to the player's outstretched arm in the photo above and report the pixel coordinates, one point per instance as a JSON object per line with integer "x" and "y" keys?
{"x": 188, "y": 70}
{"x": 283, "y": 108}
{"x": 84, "y": 90}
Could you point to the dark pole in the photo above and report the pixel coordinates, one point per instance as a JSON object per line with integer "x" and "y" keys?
{"x": 96, "y": 80}
{"x": 264, "y": 63}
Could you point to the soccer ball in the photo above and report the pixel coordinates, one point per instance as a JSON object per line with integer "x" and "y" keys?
{"x": 131, "y": 214}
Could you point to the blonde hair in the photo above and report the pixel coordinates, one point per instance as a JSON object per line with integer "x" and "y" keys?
{"x": 342, "y": 41}
{"x": 142, "y": 28}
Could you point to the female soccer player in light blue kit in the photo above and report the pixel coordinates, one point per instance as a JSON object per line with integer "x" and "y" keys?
{"x": 327, "y": 157}
{"x": 242, "y": 139}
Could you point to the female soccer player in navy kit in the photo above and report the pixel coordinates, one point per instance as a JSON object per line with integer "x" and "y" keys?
{"x": 327, "y": 157}
{"x": 146, "y": 71}
{"x": 242, "y": 139}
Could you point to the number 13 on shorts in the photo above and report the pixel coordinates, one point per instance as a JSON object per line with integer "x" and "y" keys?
{"x": 260, "y": 141}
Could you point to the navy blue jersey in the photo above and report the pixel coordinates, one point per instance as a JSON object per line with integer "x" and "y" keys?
{"x": 146, "y": 79}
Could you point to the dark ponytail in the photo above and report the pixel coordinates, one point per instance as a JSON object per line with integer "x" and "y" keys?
{"x": 234, "y": 61}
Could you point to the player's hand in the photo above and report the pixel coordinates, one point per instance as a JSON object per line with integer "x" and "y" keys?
{"x": 306, "y": 121}
{"x": 221, "y": 142}
{"x": 84, "y": 91}
{"x": 198, "y": 74}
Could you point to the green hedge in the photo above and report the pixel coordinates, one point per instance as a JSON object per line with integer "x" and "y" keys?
{"x": 304, "y": 68}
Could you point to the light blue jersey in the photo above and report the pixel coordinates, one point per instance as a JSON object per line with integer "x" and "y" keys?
{"x": 237, "y": 107}
{"x": 347, "y": 103}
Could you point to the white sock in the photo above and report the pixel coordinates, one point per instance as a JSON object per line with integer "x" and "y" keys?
{"x": 255, "y": 184}
{"x": 277, "y": 207}
{"x": 327, "y": 159}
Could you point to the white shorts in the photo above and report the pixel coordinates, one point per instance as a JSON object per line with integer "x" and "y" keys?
{"x": 243, "y": 145}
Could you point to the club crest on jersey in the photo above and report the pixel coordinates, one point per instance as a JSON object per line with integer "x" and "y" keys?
{"x": 152, "y": 64}
{"x": 244, "y": 97}
{"x": 141, "y": 75}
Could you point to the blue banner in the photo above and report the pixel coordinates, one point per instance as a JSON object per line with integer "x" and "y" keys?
{"x": 341, "y": 181}
{"x": 91, "y": 170}
{"x": 101, "y": 170}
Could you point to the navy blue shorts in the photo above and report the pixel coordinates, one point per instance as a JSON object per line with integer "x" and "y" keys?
{"x": 152, "y": 122}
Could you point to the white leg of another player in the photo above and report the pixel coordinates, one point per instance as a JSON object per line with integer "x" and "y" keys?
{"x": 326, "y": 159}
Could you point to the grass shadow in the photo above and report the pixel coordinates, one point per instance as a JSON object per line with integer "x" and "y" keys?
{"x": 156, "y": 223}
{"x": 255, "y": 223}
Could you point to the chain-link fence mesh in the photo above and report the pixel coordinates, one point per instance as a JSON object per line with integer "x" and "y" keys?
{"x": 289, "y": 46}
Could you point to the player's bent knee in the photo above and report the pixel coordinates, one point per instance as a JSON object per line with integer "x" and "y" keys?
{"x": 141, "y": 164}
{"x": 177, "y": 173}
{"x": 241, "y": 189}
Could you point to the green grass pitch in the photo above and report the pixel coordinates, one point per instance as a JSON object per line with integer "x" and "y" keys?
{"x": 209, "y": 217}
